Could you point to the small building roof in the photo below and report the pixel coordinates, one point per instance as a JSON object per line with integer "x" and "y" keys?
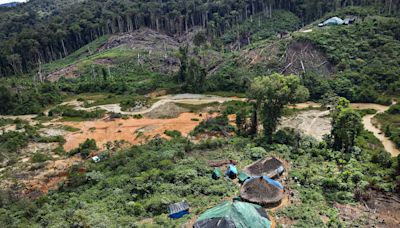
{"x": 178, "y": 207}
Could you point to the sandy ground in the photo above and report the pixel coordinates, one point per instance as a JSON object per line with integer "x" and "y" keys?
{"x": 315, "y": 123}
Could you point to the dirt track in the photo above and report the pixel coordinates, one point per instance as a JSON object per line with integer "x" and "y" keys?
{"x": 367, "y": 121}
{"x": 187, "y": 98}
{"x": 316, "y": 123}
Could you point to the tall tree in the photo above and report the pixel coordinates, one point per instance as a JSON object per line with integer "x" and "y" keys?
{"x": 346, "y": 126}
{"x": 272, "y": 93}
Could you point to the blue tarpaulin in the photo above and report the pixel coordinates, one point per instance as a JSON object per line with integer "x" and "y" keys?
{"x": 178, "y": 210}
{"x": 231, "y": 171}
{"x": 269, "y": 180}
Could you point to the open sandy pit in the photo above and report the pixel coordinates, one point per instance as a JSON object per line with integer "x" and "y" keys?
{"x": 129, "y": 130}
{"x": 314, "y": 123}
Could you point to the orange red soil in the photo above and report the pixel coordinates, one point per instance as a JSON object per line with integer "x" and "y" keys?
{"x": 121, "y": 129}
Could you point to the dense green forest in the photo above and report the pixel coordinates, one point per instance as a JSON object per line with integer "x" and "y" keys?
{"x": 365, "y": 63}
{"x": 43, "y": 31}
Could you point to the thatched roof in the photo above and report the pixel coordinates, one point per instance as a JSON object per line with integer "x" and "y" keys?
{"x": 270, "y": 166}
{"x": 261, "y": 190}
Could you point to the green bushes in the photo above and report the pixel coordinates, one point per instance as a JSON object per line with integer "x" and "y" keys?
{"x": 70, "y": 113}
{"x": 173, "y": 134}
{"x": 368, "y": 62}
{"x": 389, "y": 123}
{"x": 216, "y": 125}
{"x": 27, "y": 97}
{"x": 13, "y": 141}
{"x": 40, "y": 157}
{"x": 85, "y": 148}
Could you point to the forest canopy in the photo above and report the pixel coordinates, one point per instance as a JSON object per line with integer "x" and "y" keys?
{"x": 44, "y": 30}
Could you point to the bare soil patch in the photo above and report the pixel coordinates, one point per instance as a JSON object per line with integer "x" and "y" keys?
{"x": 315, "y": 123}
{"x": 303, "y": 56}
{"x": 142, "y": 39}
{"x": 380, "y": 210}
{"x": 121, "y": 129}
{"x": 67, "y": 72}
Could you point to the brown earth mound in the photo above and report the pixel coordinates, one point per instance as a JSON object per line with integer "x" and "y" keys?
{"x": 167, "y": 110}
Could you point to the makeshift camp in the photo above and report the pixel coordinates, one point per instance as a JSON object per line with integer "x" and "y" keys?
{"x": 231, "y": 171}
{"x": 332, "y": 21}
{"x": 270, "y": 166}
{"x": 261, "y": 190}
{"x": 234, "y": 214}
{"x": 178, "y": 210}
{"x": 216, "y": 174}
{"x": 243, "y": 177}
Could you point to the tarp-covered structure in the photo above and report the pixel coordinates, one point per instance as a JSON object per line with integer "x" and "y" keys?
{"x": 216, "y": 174}
{"x": 261, "y": 190}
{"x": 234, "y": 214}
{"x": 243, "y": 177}
{"x": 270, "y": 166}
{"x": 333, "y": 21}
{"x": 178, "y": 210}
{"x": 231, "y": 171}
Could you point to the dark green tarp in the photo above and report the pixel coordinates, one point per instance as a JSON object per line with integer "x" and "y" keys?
{"x": 234, "y": 214}
{"x": 242, "y": 177}
{"x": 216, "y": 173}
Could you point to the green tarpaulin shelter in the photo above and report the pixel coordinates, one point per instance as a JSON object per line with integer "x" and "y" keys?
{"x": 234, "y": 214}
{"x": 216, "y": 174}
{"x": 333, "y": 21}
{"x": 242, "y": 177}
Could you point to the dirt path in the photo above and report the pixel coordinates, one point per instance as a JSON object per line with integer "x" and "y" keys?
{"x": 311, "y": 123}
{"x": 187, "y": 98}
{"x": 367, "y": 121}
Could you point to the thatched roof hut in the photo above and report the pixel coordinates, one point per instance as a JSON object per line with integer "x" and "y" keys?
{"x": 262, "y": 190}
{"x": 270, "y": 166}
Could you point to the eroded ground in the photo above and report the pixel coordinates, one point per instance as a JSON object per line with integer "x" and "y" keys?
{"x": 164, "y": 114}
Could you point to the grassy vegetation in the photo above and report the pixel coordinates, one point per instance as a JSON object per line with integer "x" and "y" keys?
{"x": 137, "y": 182}
{"x": 261, "y": 27}
{"x": 79, "y": 55}
{"x": 389, "y": 122}
{"x": 196, "y": 108}
{"x": 39, "y": 157}
{"x": 70, "y": 114}
{"x": 12, "y": 143}
{"x": 70, "y": 129}
{"x": 367, "y": 62}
